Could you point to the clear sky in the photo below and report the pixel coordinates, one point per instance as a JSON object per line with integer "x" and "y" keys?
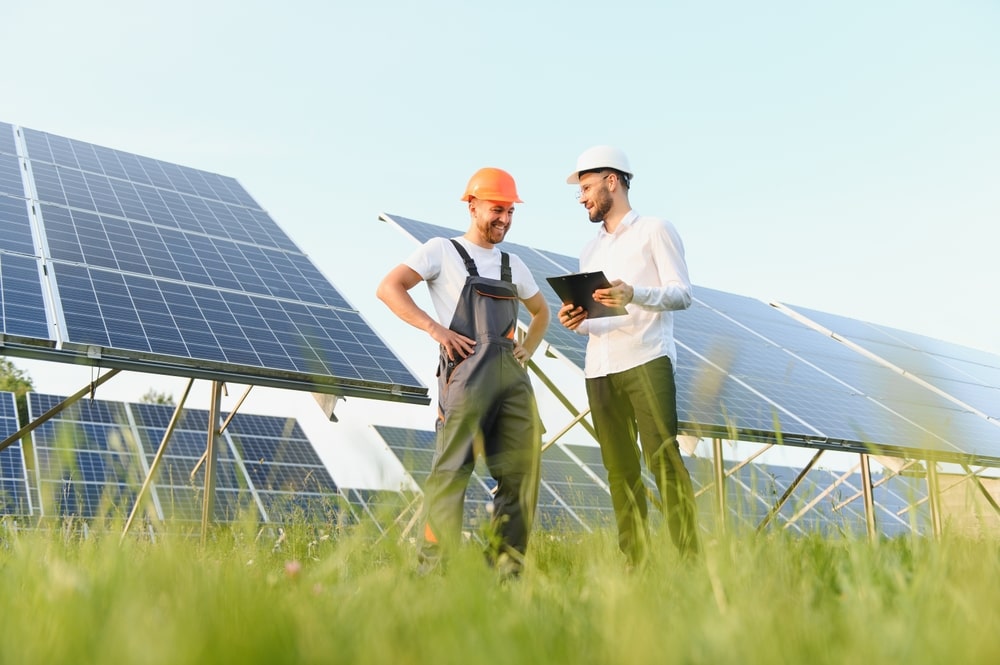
{"x": 843, "y": 156}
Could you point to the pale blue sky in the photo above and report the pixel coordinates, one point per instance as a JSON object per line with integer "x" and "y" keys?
{"x": 843, "y": 156}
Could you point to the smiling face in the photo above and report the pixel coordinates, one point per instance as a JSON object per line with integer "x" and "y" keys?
{"x": 490, "y": 221}
{"x": 595, "y": 195}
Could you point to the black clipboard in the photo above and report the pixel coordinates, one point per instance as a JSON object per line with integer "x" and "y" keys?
{"x": 578, "y": 289}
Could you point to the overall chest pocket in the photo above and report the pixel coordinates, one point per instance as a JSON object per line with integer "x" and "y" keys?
{"x": 499, "y": 291}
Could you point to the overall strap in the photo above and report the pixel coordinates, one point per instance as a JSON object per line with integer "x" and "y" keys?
{"x": 470, "y": 265}
{"x": 505, "y": 268}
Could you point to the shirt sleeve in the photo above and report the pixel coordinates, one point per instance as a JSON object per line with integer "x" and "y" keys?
{"x": 674, "y": 292}
{"x": 426, "y": 259}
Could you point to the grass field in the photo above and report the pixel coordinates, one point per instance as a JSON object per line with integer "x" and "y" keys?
{"x": 352, "y": 598}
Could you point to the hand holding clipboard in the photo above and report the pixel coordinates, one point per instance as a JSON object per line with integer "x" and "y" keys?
{"x": 578, "y": 289}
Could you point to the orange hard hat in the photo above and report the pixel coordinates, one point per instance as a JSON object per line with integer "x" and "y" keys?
{"x": 490, "y": 184}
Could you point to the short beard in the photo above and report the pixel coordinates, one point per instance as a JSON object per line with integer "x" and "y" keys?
{"x": 487, "y": 234}
{"x": 602, "y": 206}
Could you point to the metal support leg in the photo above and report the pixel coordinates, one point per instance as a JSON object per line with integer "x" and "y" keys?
{"x": 866, "y": 488}
{"x": 225, "y": 424}
{"x": 417, "y": 506}
{"x": 208, "y": 506}
{"x": 788, "y": 492}
{"x": 730, "y": 471}
{"x": 56, "y": 410}
{"x": 720, "y": 488}
{"x": 985, "y": 492}
{"x": 934, "y": 496}
{"x": 155, "y": 466}
{"x": 562, "y": 398}
{"x": 570, "y": 425}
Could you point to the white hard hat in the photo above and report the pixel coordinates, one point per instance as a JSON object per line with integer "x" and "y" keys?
{"x": 599, "y": 157}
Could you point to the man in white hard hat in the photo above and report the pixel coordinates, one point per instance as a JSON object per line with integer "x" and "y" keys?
{"x": 630, "y": 360}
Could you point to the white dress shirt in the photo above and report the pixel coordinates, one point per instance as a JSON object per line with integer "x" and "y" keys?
{"x": 647, "y": 253}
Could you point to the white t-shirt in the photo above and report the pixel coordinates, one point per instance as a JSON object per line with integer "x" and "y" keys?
{"x": 439, "y": 264}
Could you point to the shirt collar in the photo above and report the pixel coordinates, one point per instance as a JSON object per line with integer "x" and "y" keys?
{"x": 627, "y": 220}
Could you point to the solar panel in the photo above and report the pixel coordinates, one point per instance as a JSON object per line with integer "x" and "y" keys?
{"x": 747, "y": 372}
{"x": 162, "y": 268}
{"x": 567, "y": 498}
{"x": 285, "y": 469}
{"x": 14, "y": 211}
{"x": 415, "y": 450}
{"x": 822, "y": 391}
{"x": 84, "y": 465}
{"x": 753, "y": 490}
{"x": 23, "y": 308}
{"x": 7, "y": 143}
{"x": 970, "y": 376}
{"x": 830, "y": 501}
{"x": 14, "y": 494}
{"x": 382, "y": 507}
{"x": 941, "y": 426}
{"x": 575, "y": 490}
{"x": 93, "y": 456}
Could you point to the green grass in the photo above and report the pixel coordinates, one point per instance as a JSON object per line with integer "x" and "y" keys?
{"x": 352, "y": 598}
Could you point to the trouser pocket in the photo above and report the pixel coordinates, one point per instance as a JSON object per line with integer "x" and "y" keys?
{"x": 446, "y": 367}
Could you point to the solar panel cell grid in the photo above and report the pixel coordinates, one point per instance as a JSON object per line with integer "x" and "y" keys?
{"x": 14, "y": 490}
{"x": 968, "y": 375}
{"x": 10, "y": 176}
{"x": 278, "y": 477}
{"x": 283, "y": 507}
{"x": 186, "y": 504}
{"x": 274, "y": 449}
{"x": 7, "y": 145}
{"x": 17, "y": 236}
{"x": 82, "y": 460}
{"x": 96, "y": 443}
{"x": 21, "y": 298}
{"x": 86, "y": 500}
{"x": 119, "y": 227}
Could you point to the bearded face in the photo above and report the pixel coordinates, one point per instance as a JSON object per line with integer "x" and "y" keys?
{"x": 491, "y": 219}
{"x": 595, "y": 196}
{"x": 600, "y": 203}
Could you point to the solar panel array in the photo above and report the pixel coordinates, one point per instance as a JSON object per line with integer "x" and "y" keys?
{"x": 153, "y": 266}
{"x": 15, "y": 497}
{"x": 574, "y": 492}
{"x": 748, "y": 371}
{"x": 88, "y": 463}
{"x": 92, "y": 458}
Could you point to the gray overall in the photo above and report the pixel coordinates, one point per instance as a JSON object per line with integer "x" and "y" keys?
{"x": 487, "y": 405}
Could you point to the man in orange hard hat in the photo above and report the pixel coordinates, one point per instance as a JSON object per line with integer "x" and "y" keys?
{"x": 484, "y": 393}
{"x": 630, "y": 360}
